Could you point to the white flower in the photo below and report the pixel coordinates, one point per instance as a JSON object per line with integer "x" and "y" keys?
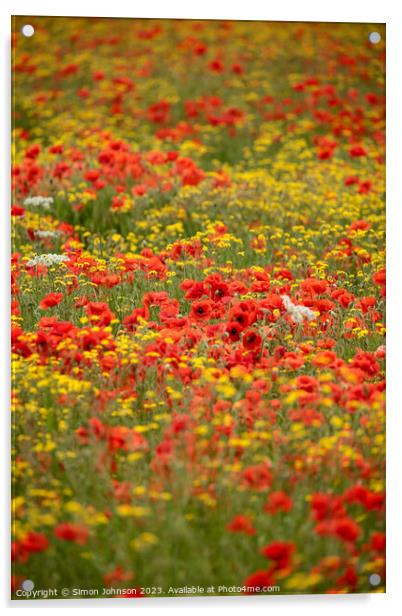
{"x": 39, "y": 201}
{"x": 43, "y": 233}
{"x": 47, "y": 259}
{"x": 298, "y": 313}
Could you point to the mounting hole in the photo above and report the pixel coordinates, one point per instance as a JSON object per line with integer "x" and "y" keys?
{"x": 28, "y": 30}
{"x": 28, "y": 585}
{"x": 374, "y": 37}
{"x": 374, "y": 579}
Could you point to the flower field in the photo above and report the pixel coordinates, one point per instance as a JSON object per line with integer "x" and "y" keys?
{"x": 198, "y": 318}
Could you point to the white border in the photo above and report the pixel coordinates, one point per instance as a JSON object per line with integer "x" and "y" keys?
{"x": 308, "y": 10}
{"x": 378, "y": 11}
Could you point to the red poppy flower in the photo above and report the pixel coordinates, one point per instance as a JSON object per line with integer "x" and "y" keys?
{"x": 257, "y": 477}
{"x": 326, "y": 506}
{"x": 314, "y": 285}
{"x": 360, "y": 225}
{"x": 307, "y": 383}
{"x": 252, "y": 340}
{"x": 32, "y": 151}
{"x": 357, "y": 150}
{"x": 117, "y": 575}
{"x": 34, "y": 542}
{"x": 365, "y": 361}
{"x": 377, "y": 542}
{"x": 323, "y": 306}
{"x": 92, "y": 175}
{"x": 131, "y": 321}
{"x": 98, "y": 75}
{"x": 237, "y": 69}
{"x": 190, "y": 174}
{"x": 325, "y": 153}
{"x": 365, "y": 187}
{"x": 194, "y": 289}
{"x": 349, "y": 579}
{"x": 379, "y": 278}
{"x": 233, "y": 329}
{"x": 201, "y": 311}
{"x": 159, "y": 112}
{"x": 365, "y": 303}
{"x": 50, "y": 300}
{"x": 345, "y": 528}
{"x": 78, "y": 533}
{"x": 17, "y": 210}
{"x": 99, "y": 313}
{"x": 239, "y": 316}
{"x": 278, "y": 501}
{"x": 216, "y": 65}
{"x": 241, "y": 524}
{"x": 257, "y": 581}
{"x": 280, "y": 552}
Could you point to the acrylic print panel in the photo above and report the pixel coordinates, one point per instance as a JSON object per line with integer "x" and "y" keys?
{"x": 198, "y": 308}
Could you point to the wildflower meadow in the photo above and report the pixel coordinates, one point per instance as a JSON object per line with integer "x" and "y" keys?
{"x": 198, "y": 317}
